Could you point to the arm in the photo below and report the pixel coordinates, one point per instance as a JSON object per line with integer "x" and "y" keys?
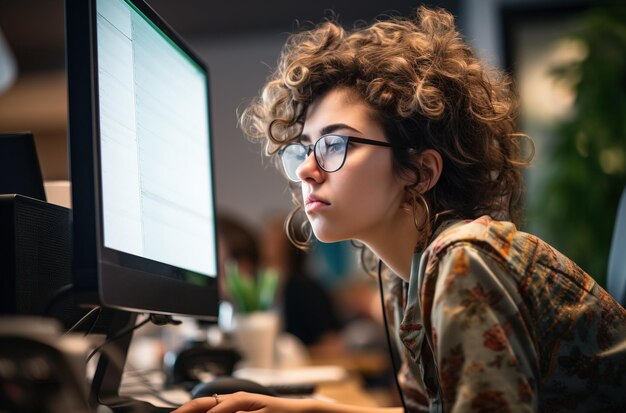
{"x": 247, "y": 402}
{"x": 485, "y": 356}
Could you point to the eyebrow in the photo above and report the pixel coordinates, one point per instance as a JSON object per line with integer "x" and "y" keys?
{"x": 330, "y": 129}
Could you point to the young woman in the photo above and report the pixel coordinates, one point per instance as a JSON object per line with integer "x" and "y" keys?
{"x": 398, "y": 137}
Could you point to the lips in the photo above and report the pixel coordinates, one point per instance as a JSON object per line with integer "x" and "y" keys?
{"x": 314, "y": 203}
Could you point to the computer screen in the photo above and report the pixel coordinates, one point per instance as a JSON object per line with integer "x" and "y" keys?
{"x": 140, "y": 162}
{"x": 154, "y": 142}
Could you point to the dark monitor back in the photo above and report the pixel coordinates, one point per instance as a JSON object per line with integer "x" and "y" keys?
{"x": 19, "y": 166}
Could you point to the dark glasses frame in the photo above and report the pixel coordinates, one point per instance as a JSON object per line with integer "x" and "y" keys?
{"x": 313, "y": 146}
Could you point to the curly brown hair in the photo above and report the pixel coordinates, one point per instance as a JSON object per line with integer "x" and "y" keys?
{"x": 430, "y": 91}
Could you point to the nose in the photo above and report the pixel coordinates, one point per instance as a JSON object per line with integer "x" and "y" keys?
{"x": 310, "y": 170}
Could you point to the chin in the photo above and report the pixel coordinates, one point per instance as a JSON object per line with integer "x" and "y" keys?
{"x": 326, "y": 235}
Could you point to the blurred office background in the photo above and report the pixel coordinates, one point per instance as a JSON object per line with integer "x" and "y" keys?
{"x": 568, "y": 58}
{"x": 573, "y": 93}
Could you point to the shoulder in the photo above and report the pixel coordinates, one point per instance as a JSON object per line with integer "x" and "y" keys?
{"x": 499, "y": 240}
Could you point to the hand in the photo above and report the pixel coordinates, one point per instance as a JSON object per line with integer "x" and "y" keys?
{"x": 243, "y": 402}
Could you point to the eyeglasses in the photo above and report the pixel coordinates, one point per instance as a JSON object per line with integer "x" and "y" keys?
{"x": 330, "y": 153}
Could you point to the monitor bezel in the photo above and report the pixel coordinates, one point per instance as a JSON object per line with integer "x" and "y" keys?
{"x": 102, "y": 275}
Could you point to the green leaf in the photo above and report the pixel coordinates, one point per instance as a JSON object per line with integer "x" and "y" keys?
{"x": 249, "y": 294}
{"x": 268, "y": 283}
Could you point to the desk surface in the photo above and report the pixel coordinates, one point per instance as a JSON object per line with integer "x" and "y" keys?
{"x": 349, "y": 390}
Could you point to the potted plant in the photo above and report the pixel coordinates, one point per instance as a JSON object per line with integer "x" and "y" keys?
{"x": 256, "y": 323}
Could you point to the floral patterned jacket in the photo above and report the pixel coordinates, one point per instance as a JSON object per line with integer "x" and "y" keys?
{"x": 495, "y": 320}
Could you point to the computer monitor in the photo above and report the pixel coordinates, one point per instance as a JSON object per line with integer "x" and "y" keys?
{"x": 140, "y": 162}
{"x": 143, "y": 214}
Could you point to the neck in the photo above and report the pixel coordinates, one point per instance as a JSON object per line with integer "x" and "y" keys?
{"x": 395, "y": 243}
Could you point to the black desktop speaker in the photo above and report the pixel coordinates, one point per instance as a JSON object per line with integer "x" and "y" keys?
{"x": 35, "y": 257}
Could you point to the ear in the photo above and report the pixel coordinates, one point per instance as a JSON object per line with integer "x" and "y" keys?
{"x": 430, "y": 164}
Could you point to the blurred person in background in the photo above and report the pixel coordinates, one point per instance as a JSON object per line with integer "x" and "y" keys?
{"x": 238, "y": 244}
{"x": 307, "y": 308}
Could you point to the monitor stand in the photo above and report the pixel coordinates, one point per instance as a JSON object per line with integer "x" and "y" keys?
{"x": 104, "y": 395}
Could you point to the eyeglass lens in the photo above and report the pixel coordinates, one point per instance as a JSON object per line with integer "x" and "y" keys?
{"x": 330, "y": 152}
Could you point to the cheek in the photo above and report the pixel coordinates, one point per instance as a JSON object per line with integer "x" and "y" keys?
{"x": 372, "y": 188}
{"x": 369, "y": 201}
{"x": 362, "y": 200}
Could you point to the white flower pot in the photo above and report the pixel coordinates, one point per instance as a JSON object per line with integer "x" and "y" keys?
{"x": 255, "y": 337}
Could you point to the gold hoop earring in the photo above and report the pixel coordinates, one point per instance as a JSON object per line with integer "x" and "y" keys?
{"x": 426, "y": 216}
{"x": 423, "y": 227}
{"x": 356, "y": 244}
{"x": 293, "y": 232}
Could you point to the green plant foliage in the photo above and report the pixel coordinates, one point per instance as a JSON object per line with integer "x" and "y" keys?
{"x": 577, "y": 204}
{"x": 251, "y": 293}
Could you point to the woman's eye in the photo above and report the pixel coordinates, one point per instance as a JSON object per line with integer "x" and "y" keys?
{"x": 334, "y": 147}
